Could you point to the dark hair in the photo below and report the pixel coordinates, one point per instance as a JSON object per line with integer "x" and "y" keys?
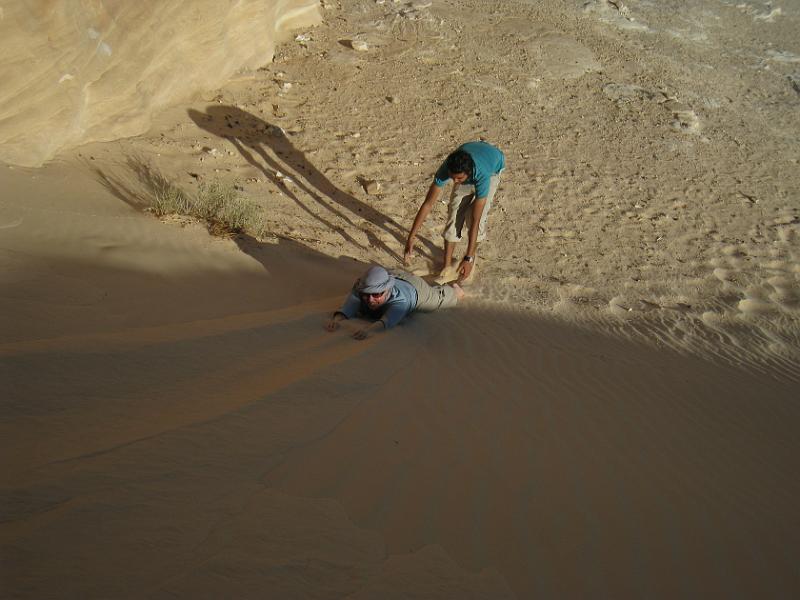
{"x": 460, "y": 162}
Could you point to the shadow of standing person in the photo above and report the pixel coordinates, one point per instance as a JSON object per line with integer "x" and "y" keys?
{"x": 275, "y": 154}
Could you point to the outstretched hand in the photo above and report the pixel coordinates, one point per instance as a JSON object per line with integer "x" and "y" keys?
{"x": 408, "y": 254}
{"x": 464, "y": 270}
{"x": 333, "y": 322}
{"x": 369, "y": 330}
{"x": 361, "y": 334}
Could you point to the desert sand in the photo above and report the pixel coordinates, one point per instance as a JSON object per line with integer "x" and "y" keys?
{"x": 612, "y": 412}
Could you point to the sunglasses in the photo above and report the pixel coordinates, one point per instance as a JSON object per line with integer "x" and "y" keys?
{"x": 372, "y": 294}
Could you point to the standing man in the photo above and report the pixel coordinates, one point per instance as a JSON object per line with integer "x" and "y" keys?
{"x": 475, "y": 169}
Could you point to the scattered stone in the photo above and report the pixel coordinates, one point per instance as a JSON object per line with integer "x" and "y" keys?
{"x": 359, "y": 45}
{"x": 794, "y": 79}
{"x": 748, "y": 197}
{"x": 371, "y": 186}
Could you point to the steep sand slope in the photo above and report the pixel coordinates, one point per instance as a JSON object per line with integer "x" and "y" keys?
{"x": 612, "y": 413}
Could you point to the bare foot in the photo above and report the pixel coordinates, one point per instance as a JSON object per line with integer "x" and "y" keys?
{"x": 446, "y": 275}
{"x": 459, "y": 291}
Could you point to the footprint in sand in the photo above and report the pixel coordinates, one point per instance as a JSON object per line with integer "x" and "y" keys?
{"x": 756, "y": 306}
{"x": 762, "y": 284}
{"x": 786, "y": 292}
{"x": 684, "y": 119}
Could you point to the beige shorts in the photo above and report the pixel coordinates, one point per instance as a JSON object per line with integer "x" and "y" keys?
{"x": 429, "y": 297}
{"x": 459, "y": 211}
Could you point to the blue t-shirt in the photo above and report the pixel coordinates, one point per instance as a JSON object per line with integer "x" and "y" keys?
{"x": 488, "y": 161}
{"x": 402, "y": 301}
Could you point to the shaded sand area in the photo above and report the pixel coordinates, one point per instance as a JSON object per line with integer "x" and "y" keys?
{"x": 612, "y": 413}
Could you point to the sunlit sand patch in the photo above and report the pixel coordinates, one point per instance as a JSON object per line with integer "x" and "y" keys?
{"x": 557, "y": 56}
{"x": 755, "y": 306}
{"x": 468, "y": 446}
{"x": 615, "y": 13}
{"x": 579, "y": 300}
{"x": 770, "y": 16}
{"x": 759, "y": 10}
{"x": 621, "y": 307}
{"x": 696, "y": 37}
{"x": 685, "y": 120}
{"x": 782, "y": 56}
{"x": 786, "y": 292}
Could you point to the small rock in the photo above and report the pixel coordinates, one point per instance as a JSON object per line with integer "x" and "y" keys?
{"x": 359, "y": 45}
{"x": 371, "y": 186}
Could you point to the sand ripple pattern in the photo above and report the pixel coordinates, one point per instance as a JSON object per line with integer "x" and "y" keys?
{"x": 474, "y": 454}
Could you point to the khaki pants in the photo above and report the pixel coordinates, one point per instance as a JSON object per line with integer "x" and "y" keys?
{"x": 429, "y": 297}
{"x": 459, "y": 211}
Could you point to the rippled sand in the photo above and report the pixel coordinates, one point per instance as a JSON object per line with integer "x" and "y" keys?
{"x": 611, "y": 413}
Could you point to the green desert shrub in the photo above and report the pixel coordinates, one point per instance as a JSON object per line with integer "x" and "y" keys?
{"x": 220, "y": 206}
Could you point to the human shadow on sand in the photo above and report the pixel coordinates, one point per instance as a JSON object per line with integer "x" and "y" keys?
{"x": 268, "y": 148}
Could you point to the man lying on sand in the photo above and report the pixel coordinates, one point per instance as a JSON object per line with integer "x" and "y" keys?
{"x": 390, "y": 297}
{"x": 475, "y": 169}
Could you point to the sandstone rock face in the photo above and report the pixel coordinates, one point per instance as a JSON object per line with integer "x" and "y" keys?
{"x": 75, "y": 71}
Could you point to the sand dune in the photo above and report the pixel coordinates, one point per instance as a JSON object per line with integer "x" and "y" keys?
{"x": 612, "y": 412}
{"x": 81, "y": 71}
{"x": 485, "y": 451}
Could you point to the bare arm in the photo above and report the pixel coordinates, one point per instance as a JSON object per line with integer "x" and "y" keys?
{"x": 465, "y": 268}
{"x": 434, "y": 192}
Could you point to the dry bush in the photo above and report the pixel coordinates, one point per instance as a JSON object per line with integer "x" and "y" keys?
{"x": 218, "y": 205}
